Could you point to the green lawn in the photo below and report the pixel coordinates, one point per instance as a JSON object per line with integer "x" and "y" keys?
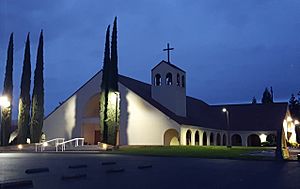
{"x": 197, "y": 151}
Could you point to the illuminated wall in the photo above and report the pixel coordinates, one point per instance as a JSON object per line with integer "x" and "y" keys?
{"x": 140, "y": 122}
{"x": 289, "y": 129}
{"x": 67, "y": 119}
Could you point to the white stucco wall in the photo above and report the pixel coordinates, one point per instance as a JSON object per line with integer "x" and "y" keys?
{"x": 140, "y": 122}
{"x": 67, "y": 119}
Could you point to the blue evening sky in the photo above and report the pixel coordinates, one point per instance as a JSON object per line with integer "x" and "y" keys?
{"x": 231, "y": 50}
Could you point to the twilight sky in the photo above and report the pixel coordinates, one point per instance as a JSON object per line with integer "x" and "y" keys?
{"x": 231, "y": 50}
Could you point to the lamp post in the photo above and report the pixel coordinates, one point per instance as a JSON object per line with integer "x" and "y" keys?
{"x": 4, "y": 103}
{"x": 228, "y": 127}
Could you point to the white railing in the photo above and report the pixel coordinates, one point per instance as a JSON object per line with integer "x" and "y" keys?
{"x": 46, "y": 143}
{"x": 63, "y": 144}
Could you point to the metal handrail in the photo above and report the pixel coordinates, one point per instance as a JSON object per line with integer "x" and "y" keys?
{"x": 44, "y": 144}
{"x": 63, "y": 144}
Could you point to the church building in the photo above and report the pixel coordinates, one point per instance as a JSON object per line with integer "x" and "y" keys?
{"x": 160, "y": 113}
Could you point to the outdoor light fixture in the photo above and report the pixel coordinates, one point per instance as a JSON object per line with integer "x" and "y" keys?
{"x": 224, "y": 110}
{"x": 20, "y": 146}
{"x": 4, "y": 102}
{"x": 45, "y": 144}
{"x": 296, "y": 122}
{"x": 105, "y": 146}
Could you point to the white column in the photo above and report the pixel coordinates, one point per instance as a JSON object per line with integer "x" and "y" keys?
{"x": 182, "y": 136}
{"x": 193, "y": 137}
{"x": 208, "y": 138}
{"x": 200, "y": 138}
{"x": 244, "y": 139}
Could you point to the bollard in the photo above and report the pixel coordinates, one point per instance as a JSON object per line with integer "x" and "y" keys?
{"x": 144, "y": 166}
{"x": 37, "y": 170}
{"x": 76, "y": 176}
{"x": 77, "y": 166}
{"x": 115, "y": 170}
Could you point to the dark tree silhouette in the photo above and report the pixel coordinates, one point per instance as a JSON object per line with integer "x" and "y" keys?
{"x": 294, "y": 107}
{"x": 113, "y": 106}
{"x": 37, "y": 110}
{"x": 267, "y": 97}
{"x": 254, "y": 101}
{"x": 114, "y": 58}
{"x": 8, "y": 92}
{"x": 109, "y": 90}
{"x": 24, "y": 100}
{"x": 105, "y": 89}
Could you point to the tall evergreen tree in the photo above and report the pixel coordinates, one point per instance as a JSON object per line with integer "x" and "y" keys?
{"x": 8, "y": 92}
{"x": 254, "y": 101}
{"x": 105, "y": 89}
{"x": 272, "y": 94}
{"x": 37, "y": 110}
{"x": 109, "y": 100}
{"x": 114, "y": 58}
{"x": 24, "y": 100}
{"x": 113, "y": 102}
{"x": 294, "y": 107}
{"x": 267, "y": 97}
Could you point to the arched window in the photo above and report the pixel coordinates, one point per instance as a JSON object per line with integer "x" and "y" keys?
{"x": 218, "y": 139}
{"x": 271, "y": 139}
{"x": 224, "y": 140}
{"x": 178, "y": 80}
{"x": 182, "y": 81}
{"x": 188, "y": 137}
{"x": 204, "y": 139}
{"x": 197, "y": 138}
{"x": 253, "y": 140}
{"x": 157, "y": 80}
{"x": 236, "y": 140}
{"x": 169, "y": 79}
{"x": 211, "y": 139}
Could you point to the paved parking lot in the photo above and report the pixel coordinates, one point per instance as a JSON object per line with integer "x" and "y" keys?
{"x": 121, "y": 171}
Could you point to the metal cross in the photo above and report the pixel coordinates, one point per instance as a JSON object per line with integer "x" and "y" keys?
{"x": 168, "y": 49}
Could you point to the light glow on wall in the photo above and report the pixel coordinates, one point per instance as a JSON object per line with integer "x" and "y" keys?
{"x": 263, "y": 137}
{"x": 70, "y": 116}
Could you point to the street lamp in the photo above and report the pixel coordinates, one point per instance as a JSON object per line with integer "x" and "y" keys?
{"x": 228, "y": 127}
{"x": 4, "y": 102}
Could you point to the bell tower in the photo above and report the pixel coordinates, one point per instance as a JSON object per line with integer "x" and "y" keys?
{"x": 169, "y": 86}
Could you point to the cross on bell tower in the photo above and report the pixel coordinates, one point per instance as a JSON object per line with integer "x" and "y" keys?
{"x": 168, "y": 49}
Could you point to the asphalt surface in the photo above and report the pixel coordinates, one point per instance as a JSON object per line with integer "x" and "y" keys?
{"x": 120, "y": 171}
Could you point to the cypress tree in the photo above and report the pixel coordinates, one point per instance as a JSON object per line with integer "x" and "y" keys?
{"x": 37, "y": 110}
{"x": 24, "y": 100}
{"x": 109, "y": 97}
{"x": 114, "y": 59}
{"x": 113, "y": 95}
{"x": 105, "y": 90}
{"x": 267, "y": 97}
{"x": 7, "y": 91}
{"x": 254, "y": 101}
